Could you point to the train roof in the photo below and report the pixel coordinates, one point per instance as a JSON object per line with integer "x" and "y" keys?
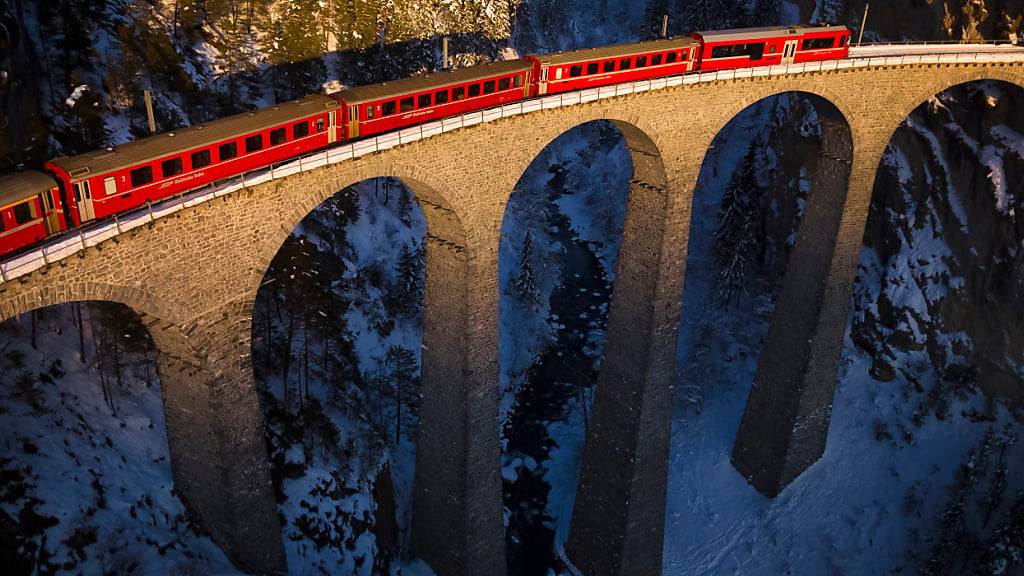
{"x": 383, "y": 91}
{"x": 615, "y": 50}
{"x": 22, "y": 185}
{"x": 177, "y": 141}
{"x": 765, "y": 32}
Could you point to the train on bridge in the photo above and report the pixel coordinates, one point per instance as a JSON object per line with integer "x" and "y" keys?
{"x": 75, "y": 190}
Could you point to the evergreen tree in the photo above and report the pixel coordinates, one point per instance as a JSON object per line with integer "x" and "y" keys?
{"x": 407, "y": 293}
{"x": 525, "y": 282}
{"x": 735, "y": 238}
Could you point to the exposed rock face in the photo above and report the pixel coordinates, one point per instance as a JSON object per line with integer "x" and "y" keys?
{"x": 950, "y": 244}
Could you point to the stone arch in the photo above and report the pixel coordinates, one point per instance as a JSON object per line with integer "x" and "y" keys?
{"x": 449, "y": 467}
{"x": 618, "y": 517}
{"x": 987, "y": 265}
{"x": 141, "y": 301}
{"x": 785, "y": 422}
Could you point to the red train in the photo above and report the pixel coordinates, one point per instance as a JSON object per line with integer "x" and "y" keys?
{"x": 77, "y": 189}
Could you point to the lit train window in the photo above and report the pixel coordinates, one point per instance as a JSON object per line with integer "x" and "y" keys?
{"x": 407, "y": 104}
{"x": 22, "y": 213}
{"x": 253, "y": 143}
{"x": 518, "y": 81}
{"x": 228, "y": 151}
{"x": 142, "y": 176}
{"x": 670, "y": 58}
{"x": 200, "y": 159}
{"x": 388, "y": 108}
{"x": 625, "y": 64}
{"x": 320, "y": 124}
{"x": 277, "y": 137}
{"x": 300, "y": 130}
{"x": 474, "y": 90}
{"x": 489, "y": 87}
{"x": 459, "y": 93}
{"x": 593, "y": 67}
{"x": 656, "y": 60}
{"x": 504, "y": 84}
{"x": 171, "y": 167}
{"x": 369, "y": 112}
{"x": 423, "y": 101}
{"x": 609, "y": 65}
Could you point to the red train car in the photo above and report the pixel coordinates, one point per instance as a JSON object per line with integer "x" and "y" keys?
{"x": 113, "y": 180}
{"x": 750, "y": 47}
{"x": 30, "y": 209}
{"x": 581, "y": 69}
{"x": 368, "y": 110}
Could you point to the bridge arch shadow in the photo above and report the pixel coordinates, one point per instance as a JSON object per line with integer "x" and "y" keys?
{"x": 380, "y": 272}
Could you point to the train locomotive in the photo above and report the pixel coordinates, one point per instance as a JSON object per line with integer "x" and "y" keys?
{"x": 74, "y": 190}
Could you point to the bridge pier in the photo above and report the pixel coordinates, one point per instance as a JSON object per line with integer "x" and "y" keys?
{"x": 619, "y": 515}
{"x": 215, "y": 434}
{"x": 786, "y": 420}
{"x": 457, "y": 504}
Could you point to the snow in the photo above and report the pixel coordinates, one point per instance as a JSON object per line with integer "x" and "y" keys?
{"x": 73, "y": 98}
{"x": 94, "y": 471}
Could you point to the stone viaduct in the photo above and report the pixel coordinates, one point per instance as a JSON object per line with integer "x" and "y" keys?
{"x": 193, "y": 277}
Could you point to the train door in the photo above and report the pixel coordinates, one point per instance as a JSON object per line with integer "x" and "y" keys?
{"x": 353, "y": 122}
{"x": 50, "y": 214}
{"x": 83, "y": 197}
{"x": 789, "y": 52}
{"x": 332, "y": 128}
{"x": 543, "y": 87}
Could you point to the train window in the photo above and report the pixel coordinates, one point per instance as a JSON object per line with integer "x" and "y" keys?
{"x": 641, "y": 61}
{"x": 625, "y": 64}
{"x": 458, "y": 93}
{"x": 842, "y": 41}
{"x": 576, "y": 71}
{"x": 320, "y": 124}
{"x": 253, "y": 143}
{"x": 819, "y": 43}
{"x": 609, "y": 65}
{"x": 593, "y": 68}
{"x": 141, "y": 176}
{"x": 22, "y": 213}
{"x": 388, "y": 108}
{"x": 300, "y": 130}
{"x": 670, "y": 58}
{"x": 369, "y": 112}
{"x": 756, "y": 51}
{"x": 518, "y": 81}
{"x": 423, "y": 101}
{"x": 171, "y": 167}
{"x": 228, "y": 151}
{"x": 734, "y": 51}
{"x": 771, "y": 50}
{"x": 1, "y": 221}
{"x": 504, "y": 84}
{"x": 656, "y": 60}
{"x": 407, "y": 104}
{"x": 489, "y": 86}
{"x": 441, "y": 97}
{"x": 200, "y": 159}
{"x": 277, "y": 137}
{"x": 474, "y": 90}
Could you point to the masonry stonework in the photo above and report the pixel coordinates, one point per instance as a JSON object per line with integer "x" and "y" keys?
{"x": 193, "y": 277}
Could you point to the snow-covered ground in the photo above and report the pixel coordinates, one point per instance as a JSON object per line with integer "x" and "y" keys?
{"x": 85, "y": 489}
